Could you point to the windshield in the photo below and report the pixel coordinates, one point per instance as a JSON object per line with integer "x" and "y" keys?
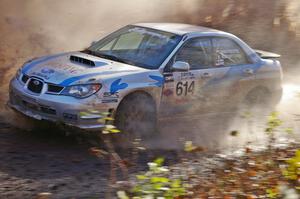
{"x": 139, "y": 46}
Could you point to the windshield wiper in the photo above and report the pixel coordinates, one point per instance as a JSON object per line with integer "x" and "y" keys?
{"x": 107, "y": 56}
{"x": 111, "y": 57}
{"x": 89, "y": 52}
{"x": 114, "y": 58}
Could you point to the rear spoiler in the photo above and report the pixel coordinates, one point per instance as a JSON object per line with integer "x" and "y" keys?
{"x": 267, "y": 55}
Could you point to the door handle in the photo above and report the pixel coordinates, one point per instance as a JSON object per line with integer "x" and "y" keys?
{"x": 206, "y": 75}
{"x": 248, "y": 71}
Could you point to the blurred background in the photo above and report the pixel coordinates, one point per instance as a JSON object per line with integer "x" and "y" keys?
{"x": 31, "y": 28}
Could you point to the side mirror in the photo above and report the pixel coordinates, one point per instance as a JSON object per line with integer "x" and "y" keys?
{"x": 180, "y": 66}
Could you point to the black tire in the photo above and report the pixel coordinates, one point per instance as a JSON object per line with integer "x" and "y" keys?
{"x": 136, "y": 116}
{"x": 258, "y": 97}
{"x": 258, "y": 101}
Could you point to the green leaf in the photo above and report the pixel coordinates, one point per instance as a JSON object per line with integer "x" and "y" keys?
{"x": 159, "y": 179}
{"x": 157, "y": 186}
{"x": 114, "y": 130}
{"x": 141, "y": 177}
{"x": 108, "y": 118}
{"x": 159, "y": 161}
{"x": 176, "y": 183}
{"x": 272, "y": 193}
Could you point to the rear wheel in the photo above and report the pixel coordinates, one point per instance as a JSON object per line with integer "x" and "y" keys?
{"x": 253, "y": 111}
{"x": 257, "y": 102}
{"x": 258, "y": 98}
{"x": 136, "y": 116}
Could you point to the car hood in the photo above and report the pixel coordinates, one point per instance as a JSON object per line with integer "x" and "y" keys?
{"x": 76, "y": 67}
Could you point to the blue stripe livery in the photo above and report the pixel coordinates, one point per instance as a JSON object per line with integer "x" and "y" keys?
{"x": 34, "y": 63}
{"x": 159, "y": 80}
{"x": 117, "y": 85}
{"x": 69, "y": 81}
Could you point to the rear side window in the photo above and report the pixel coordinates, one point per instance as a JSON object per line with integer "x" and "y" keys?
{"x": 197, "y": 52}
{"x": 228, "y": 53}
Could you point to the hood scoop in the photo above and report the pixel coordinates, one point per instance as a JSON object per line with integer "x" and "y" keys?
{"x": 82, "y": 60}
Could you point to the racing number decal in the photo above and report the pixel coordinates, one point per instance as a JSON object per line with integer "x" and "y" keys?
{"x": 184, "y": 88}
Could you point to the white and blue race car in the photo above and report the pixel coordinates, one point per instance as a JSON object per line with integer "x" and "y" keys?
{"x": 145, "y": 72}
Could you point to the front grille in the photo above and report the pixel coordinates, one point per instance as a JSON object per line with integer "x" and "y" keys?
{"x": 35, "y": 85}
{"x": 25, "y": 78}
{"x": 54, "y": 88}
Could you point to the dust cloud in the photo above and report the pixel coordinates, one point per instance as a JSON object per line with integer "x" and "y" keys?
{"x": 34, "y": 28}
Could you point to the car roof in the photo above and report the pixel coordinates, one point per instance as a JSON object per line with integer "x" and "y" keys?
{"x": 178, "y": 28}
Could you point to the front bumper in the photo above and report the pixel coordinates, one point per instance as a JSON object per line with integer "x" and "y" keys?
{"x": 56, "y": 108}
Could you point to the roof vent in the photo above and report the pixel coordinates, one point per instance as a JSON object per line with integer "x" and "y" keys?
{"x": 82, "y": 60}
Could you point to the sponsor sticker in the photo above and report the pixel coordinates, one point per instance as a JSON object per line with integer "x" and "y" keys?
{"x": 109, "y": 97}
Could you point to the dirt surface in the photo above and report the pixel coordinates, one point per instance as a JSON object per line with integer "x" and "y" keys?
{"x": 32, "y": 163}
{"x": 51, "y": 162}
{"x": 35, "y": 162}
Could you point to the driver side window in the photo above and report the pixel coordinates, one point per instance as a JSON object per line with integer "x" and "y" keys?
{"x": 197, "y": 53}
{"x": 228, "y": 53}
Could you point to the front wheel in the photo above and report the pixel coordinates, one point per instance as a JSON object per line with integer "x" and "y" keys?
{"x": 136, "y": 116}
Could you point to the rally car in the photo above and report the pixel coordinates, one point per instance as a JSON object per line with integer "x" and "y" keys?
{"x": 144, "y": 72}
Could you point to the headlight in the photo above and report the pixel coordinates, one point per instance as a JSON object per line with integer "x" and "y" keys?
{"x": 81, "y": 91}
